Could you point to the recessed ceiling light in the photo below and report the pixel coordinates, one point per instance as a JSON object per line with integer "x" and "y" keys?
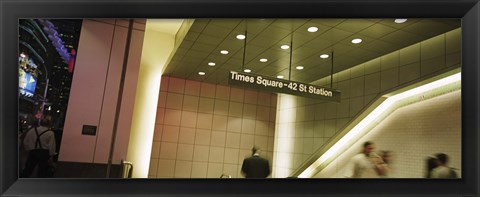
{"x": 247, "y": 70}
{"x": 400, "y": 20}
{"x": 211, "y": 63}
{"x": 299, "y": 67}
{"x": 356, "y": 40}
{"x": 312, "y": 29}
{"x": 285, "y": 46}
{"x": 240, "y": 36}
{"x": 280, "y": 76}
{"x": 201, "y": 73}
{"x": 323, "y": 56}
{"x": 263, "y": 60}
{"x": 224, "y": 52}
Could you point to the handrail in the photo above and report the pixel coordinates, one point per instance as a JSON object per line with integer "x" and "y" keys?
{"x": 127, "y": 169}
{"x": 225, "y": 176}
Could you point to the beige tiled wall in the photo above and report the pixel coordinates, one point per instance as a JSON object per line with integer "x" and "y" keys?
{"x": 412, "y": 133}
{"x": 205, "y": 130}
{"x": 306, "y": 124}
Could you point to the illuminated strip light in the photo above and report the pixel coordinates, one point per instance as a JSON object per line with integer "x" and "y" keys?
{"x": 39, "y": 29}
{"x": 359, "y": 128}
{"x": 34, "y": 36}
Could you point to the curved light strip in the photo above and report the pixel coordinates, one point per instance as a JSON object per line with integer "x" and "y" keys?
{"x": 354, "y": 133}
{"x": 35, "y": 24}
{"x": 34, "y": 36}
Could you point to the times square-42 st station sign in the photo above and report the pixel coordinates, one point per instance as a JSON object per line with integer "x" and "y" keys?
{"x": 283, "y": 86}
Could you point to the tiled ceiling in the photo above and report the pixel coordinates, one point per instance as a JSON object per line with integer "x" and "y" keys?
{"x": 207, "y": 37}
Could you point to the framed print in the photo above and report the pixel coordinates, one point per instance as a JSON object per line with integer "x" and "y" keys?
{"x": 182, "y": 98}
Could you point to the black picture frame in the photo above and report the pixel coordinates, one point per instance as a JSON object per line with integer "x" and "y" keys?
{"x": 11, "y": 11}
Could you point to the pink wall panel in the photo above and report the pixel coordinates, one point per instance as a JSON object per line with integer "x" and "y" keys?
{"x": 102, "y": 149}
{"x": 87, "y": 91}
{"x": 94, "y": 93}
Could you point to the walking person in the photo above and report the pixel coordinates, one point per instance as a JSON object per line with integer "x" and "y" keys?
{"x": 255, "y": 166}
{"x": 39, "y": 142}
{"x": 443, "y": 170}
{"x": 431, "y": 164}
{"x": 367, "y": 164}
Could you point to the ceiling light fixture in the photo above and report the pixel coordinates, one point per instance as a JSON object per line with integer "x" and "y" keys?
{"x": 312, "y": 29}
{"x": 247, "y": 70}
{"x": 241, "y": 36}
{"x": 285, "y": 46}
{"x": 323, "y": 56}
{"x": 280, "y": 76}
{"x": 299, "y": 67}
{"x": 400, "y": 20}
{"x": 263, "y": 60}
{"x": 224, "y": 52}
{"x": 356, "y": 40}
{"x": 201, "y": 73}
{"x": 211, "y": 63}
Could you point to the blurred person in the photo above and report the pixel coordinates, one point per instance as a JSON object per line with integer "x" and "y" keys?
{"x": 443, "y": 170}
{"x": 255, "y": 166}
{"x": 431, "y": 164}
{"x": 367, "y": 164}
{"x": 40, "y": 144}
{"x": 387, "y": 157}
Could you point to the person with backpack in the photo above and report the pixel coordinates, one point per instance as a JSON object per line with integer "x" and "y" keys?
{"x": 39, "y": 142}
{"x": 443, "y": 170}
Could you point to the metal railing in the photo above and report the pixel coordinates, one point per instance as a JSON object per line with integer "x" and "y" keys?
{"x": 127, "y": 169}
{"x": 225, "y": 176}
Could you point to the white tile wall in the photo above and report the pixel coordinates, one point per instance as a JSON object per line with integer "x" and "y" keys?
{"x": 176, "y": 85}
{"x": 199, "y": 169}
{"x": 168, "y": 150}
{"x": 205, "y": 130}
{"x": 170, "y": 133}
{"x": 166, "y": 168}
{"x": 185, "y": 152}
{"x": 183, "y": 169}
{"x": 172, "y": 117}
{"x": 218, "y": 138}
{"x": 187, "y": 135}
{"x": 174, "y": 101}
{"x": 204, "y": 121}
{"x": 413, "y": 133}
{"x": 360, "y": 85}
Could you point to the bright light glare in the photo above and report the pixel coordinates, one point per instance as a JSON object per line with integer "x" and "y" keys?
{"x": 285, "y": 46}
{"x": 211, "y": 63}
{"x": 400, "y": 20}
{"x": 201, "y": 73}
{"x": 359, "y": 129}
{"x": 323, "y": 56}
{"x": 312, "y": 29}
{"x": 247, "y": 70}
{"x": 280, "y": 76}
{"x": 224, "y": 52}
{"x": 299, "y": 67}
{"x": 263, "y": 60}
{"x": 356, "y": 40}
{"x": 241, "y": 36}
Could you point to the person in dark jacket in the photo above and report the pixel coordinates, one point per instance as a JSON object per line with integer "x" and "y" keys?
{"x": 255, "y": 166}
